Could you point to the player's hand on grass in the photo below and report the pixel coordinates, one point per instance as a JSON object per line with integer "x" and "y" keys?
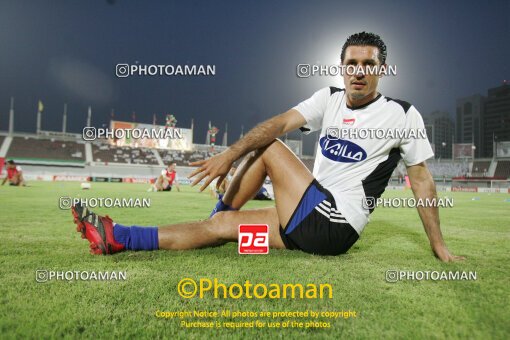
{"x": 217, "y": 166}
{"x": 444, "y": 255}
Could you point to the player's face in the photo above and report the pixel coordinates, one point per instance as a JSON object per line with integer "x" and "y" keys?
{"x": 359, "y": 86}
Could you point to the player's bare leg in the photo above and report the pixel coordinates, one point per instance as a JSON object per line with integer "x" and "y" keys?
{"x": 290, "y": 180}
{"x": 289, "y": 176}
{"x": 247, "y": 180}
{"x": 218, "y": 230}
{"x": 18, "y": 180}
{"x": 161, "y": 183}
{"x": 107, "y": 237}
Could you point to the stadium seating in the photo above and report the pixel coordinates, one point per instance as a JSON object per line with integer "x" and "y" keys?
{"x": 480, "y": 168}
{"x": 103, "y": 153}
{"x": 447, "y": 169}
{"x": 441, "y": 169}
{"x": 502, "y": 169}
{"x": 183, "y": 158}
{"x": 107, "y": 153}
{"x": 46, "y": 149}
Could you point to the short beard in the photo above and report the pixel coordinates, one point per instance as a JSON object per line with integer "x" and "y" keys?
{"x": 357, "y": 96}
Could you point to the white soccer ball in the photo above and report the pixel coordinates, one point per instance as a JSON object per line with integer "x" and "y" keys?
{"x": 85, "y": 186}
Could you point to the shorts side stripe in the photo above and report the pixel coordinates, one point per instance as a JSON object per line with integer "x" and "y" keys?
{"x": 324, "y": 207}
{"x": 322, "y": 212}
{"x": 338, "y": 221}
{"x": 336, "y": 215}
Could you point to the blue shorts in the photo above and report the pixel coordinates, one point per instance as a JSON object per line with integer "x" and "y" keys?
{"x": 317, "y": 226}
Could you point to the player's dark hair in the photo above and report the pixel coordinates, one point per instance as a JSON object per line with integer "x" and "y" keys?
{"x": 366, "y": 39}
{"x": 11, "y": 162}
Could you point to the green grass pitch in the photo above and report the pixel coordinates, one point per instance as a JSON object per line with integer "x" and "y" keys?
{"x": 36, "y": 234}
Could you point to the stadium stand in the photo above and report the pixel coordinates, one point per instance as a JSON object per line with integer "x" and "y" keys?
{"x": 46, "y": 149}
{"x": 447, "y": 169}
{"x": 207, "y": 148}
{"x": 67, "y": 155}
{"x": 106, "y": 153}
{"x": 480, "y": 168}
{"x": 183, "y": 158}
{"x": 502, "y": 169}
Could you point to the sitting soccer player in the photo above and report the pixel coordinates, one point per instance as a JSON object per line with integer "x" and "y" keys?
{"x": 166, "y": 179}
{"x": 14, "y": 174}
{"x": 320, "y": 213}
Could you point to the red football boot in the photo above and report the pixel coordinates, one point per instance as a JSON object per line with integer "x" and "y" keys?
{"x": 98, "y": 230}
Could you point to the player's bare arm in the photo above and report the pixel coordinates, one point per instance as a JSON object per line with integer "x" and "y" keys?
{"x": 260, "y": 136}
{"x": 424, "y": 188}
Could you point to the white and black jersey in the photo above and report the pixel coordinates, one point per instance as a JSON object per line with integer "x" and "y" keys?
{"x": 358, "y": 161}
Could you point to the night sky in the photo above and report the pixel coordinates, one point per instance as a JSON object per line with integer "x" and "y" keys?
{"x": 66, "y": 52}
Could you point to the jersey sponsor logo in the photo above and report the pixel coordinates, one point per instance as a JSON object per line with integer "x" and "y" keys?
{"x": 340, "y": 150}
{"x": 348, "y": 121}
